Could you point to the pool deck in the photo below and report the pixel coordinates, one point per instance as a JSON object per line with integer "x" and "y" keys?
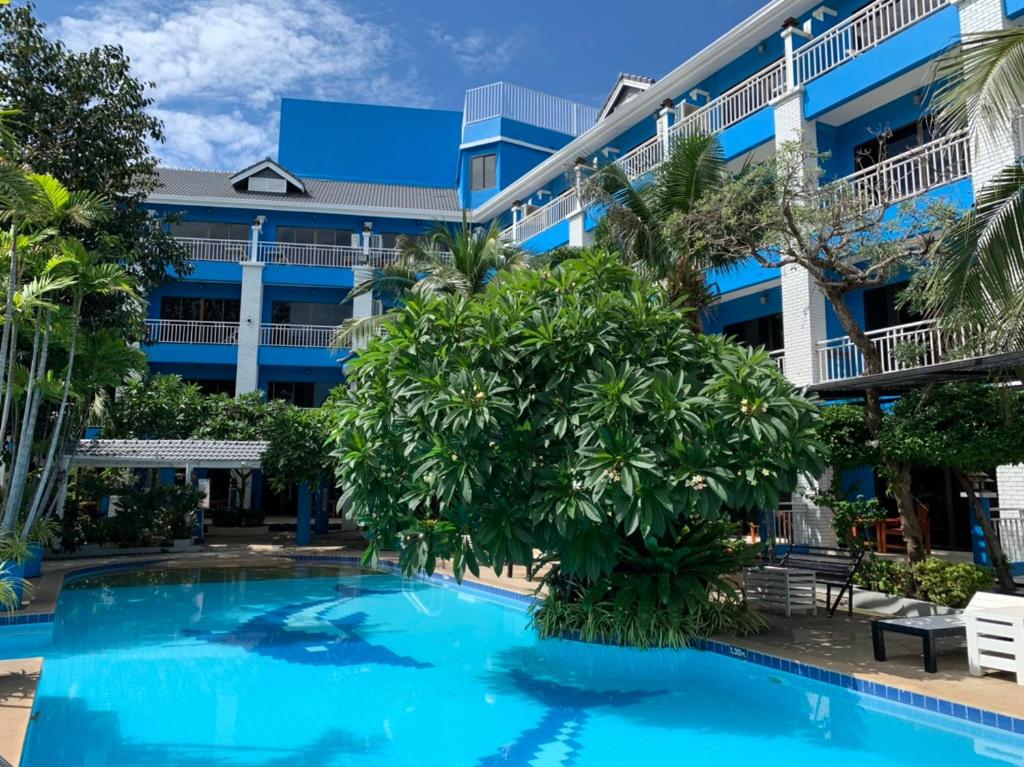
{"x": 839, "y": 643}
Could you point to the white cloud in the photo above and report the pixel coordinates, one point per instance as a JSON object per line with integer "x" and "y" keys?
{"x": 220, "y": 66}
{"x": 476, "y": 52}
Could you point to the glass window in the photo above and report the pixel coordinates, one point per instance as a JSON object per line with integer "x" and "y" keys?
{"x": 210, "y": 230}
{"x": 300, "y": 393}
{"x": 201, "y": 309}
{"x": 306, "y": 313}
{"x": 308, "y": 235}
{"x": 482, "y": 172}
{"x": 760, "y": 331}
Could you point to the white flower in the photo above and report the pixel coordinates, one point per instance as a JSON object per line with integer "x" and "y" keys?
{"x": 697, "y": 482}
{"x": 577, "y": 485}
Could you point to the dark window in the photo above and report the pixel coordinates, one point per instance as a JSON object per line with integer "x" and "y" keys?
{"x": 483, "y": 172}
{"x": 390, "y": 239}
{"x": 761, "y": 331}
{"x": 891, "y": 144}
{"x": 302, "y": 313}
{"x": 300, "y": 393}
{"x": 204, "y": 309}
{"x": 214, "y": 385}
{"x": 880, "y": 310}
{"x": 307, "y": 235}
{"x": 210, "y": 230}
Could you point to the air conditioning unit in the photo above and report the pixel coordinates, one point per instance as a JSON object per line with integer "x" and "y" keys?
{"x": 357, "y": 240}
{"x": 268, "y": 184}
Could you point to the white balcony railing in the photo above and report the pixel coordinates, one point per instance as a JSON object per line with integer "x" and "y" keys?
{"x": 306, "y": 336}
{"x": 191, "y": 332}
{"x": 862, "y": 31}
{"x": 200, "y": 249}
{"x": 778, "y": 356}
{"x": 936, "y": 163}
{"x": 643, "y": 159}
{"x": 294, "y": 254}
{"x": 542, "y": 218}
{"x": 902, "y": 347}
{"x": 737, "y": 103}
{"x": 1009, "y": 528}
{"x": 528, "y": 106}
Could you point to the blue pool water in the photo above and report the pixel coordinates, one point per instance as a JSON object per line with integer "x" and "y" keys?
{"x": 278, "y": 668}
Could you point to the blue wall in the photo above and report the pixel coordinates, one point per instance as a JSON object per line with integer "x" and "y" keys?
{"x": 362, "y": 142}
{"x": 744, "y": 308}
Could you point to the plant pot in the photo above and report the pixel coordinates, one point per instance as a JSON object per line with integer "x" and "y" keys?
{"x": 34, "y": 564}
{"x": 14, "y": 572}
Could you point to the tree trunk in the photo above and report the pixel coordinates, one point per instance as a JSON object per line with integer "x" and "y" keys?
{"x": 995, "y": 548}
{"x": 897, "y": 473}
{"x": 57, "y": 437}
{"x": 8, "y": 334}
{"x": 19, "y": 474}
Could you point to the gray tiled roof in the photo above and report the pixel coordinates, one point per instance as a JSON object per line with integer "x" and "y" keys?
{"x": 168, "y": 452}
{"x": 215, "y": 184}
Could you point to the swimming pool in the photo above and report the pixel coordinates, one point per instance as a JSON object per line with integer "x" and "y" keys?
{"x": 330, "y": 666}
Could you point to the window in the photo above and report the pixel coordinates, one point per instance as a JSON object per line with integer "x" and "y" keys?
{"x": 300, "y": 393}
{"x": 482, "y": 172}
{"x": 761, "y": 331}
{"x": 307, "y": 235}
{"x": 880, "y": 310}
{"x": 210, "y": 230}
{"x": 302, "y": 313}
{"x": 891, "y": 144}
{"x": 213, "y": 385}
{"x": 273, "y": 184}
{"x": 202, "y": 309}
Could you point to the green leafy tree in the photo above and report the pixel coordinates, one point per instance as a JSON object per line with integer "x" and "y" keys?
{"x": 155, "y": 407}
{"x": 83, "y": 118}
{"x": 970, "y": 428}
{"x": 639, "y": 218}
{"x": 571, "y": 412}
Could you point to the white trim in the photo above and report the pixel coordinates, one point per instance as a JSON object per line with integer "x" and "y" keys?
{"x": 242, "y": 175}
{"x": 305, "y": 206}
{"x": 612, "y": 101}
{"x": 505, "y": 139}
{"x": 749, "y": 290}
{"x": 722, "y": 51}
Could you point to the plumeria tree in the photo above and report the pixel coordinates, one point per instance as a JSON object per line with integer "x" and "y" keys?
{"x": 571, "y": 416}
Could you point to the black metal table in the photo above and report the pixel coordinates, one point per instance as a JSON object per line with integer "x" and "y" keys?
{"x": 929, "y": 628}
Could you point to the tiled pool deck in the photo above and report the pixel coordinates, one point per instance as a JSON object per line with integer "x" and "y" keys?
{"x": 834, "y": 650}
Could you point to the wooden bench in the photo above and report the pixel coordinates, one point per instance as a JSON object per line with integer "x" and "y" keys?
{"x": 833, "y": 567}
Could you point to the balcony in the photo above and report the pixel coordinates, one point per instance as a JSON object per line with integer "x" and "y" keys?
{"x": 778, "y": 356}
{"x": 215, "y": 250}
{"x": 191, "y": 332}
{"x": 937, "y": 163}
{"x": 736, "y": 104}
{"x": 531, "y": 107}
{"x": 858, "y": 34}
{"x": 303, "y": 336}
{"x": 288, "y": 254}
{"x": 901, "y": 347}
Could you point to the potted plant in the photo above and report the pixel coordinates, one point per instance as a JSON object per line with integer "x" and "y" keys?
{"x": 44, "y": 534}
{"x": 14, "y": 552}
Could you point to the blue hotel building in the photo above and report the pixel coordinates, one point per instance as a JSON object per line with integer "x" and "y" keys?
{"x": 277, "y": 245}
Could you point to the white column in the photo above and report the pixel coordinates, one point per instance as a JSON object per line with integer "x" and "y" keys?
{"x": 790, "y": 30}
{"x": 1010, "y": 485}
{"x": 367, "y": 239}
{"x": 992, "y": 145}
{"x": 803, "y": 305}
{"x": 362, "y": 306}
{"x": 579, "y": 237}
{"x": 812, "y": 525}
{"x": 664, "y": 123}
{"x": 249, "y": 324}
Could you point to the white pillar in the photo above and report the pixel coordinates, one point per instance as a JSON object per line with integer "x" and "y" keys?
{"x": 1010, "y": 485}
{"x": 803, "y": 305}
{"x": 664, "y": 123}
{"x": 367, "y": 239}
{"x": 579, "y": 237}
{"x": 992, "y": 144}
{"x": 250, "y": 316}
{"x": 362, "y": 306}
{"x": 790, "y": 30}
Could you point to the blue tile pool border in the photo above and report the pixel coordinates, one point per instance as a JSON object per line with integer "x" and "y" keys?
{"x": 957, "y": 711}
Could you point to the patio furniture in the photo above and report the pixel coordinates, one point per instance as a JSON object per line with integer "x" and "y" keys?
{"x": 890, "y": 536}
{"x": 929, "y": 628}
{"x": 780, "y": 589}
{"x": 833, "y": 567}
{"x": 995, "y": 634}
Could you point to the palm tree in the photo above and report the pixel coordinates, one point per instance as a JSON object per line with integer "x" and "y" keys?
{"x": 639, "y": 219}
{"x": 449, "y": 260}
{"x": 978, "y": 278}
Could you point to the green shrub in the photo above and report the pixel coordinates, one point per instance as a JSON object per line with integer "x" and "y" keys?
{"x": 946, "y": 583}
{"x": 951, "y": 583}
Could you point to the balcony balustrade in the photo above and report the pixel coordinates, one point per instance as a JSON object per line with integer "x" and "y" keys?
{"x": 191, "y": 332}
{"x": 305, "y": 336}
{"x": 200, "y": 249}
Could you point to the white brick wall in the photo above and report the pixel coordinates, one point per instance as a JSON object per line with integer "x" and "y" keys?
{"x": 579, "y": 237}
{"x": 992, "y": 146}
{"x": 362, "y": 306}
{"x": 249, "y": 323}
{"x": 1010, "y": 485}
{"x": 812, "y": 525}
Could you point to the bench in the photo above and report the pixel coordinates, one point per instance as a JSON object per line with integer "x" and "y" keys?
{"x": 929, "y": 628}
{"x": 833, "y": 567}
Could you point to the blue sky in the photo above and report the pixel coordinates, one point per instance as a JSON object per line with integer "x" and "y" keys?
{"x": 221, "y": 66}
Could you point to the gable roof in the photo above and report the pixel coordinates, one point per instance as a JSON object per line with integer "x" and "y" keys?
{"x": 268, "y": 164}
{"x": 168, "y": 453}
{"x": 624, "y": 89}
{"x": 179, "y": 186}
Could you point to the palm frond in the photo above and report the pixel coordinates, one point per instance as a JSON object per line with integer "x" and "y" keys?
{"x": 980, "y": 81}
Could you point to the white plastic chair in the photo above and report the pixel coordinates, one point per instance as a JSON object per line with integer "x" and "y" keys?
{"x": 995, "y": 634}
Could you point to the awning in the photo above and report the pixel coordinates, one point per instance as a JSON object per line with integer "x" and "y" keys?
{"x": 167, "y": 454}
